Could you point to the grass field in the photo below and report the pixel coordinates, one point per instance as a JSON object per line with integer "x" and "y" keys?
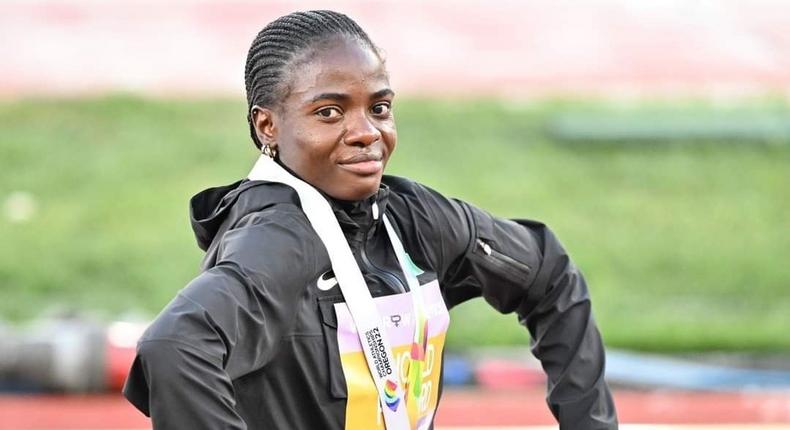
{"x": 685, "y": 245}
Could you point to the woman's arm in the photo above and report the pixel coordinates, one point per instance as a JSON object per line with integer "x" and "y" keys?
{"x": 224, "y": 324}
{"x": 519, "y": 266}
{"x": 178, "y": 377}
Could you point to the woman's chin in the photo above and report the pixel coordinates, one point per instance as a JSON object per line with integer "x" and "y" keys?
{"x": 359, "y": 190}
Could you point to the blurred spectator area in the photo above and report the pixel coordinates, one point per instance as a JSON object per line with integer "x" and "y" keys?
{"x": 451, "y": 47}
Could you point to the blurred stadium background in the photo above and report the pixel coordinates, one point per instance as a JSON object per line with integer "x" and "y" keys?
{"x": 653, "y": 136}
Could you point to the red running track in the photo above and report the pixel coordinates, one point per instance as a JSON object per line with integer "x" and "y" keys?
{"x": 458, "y": 408}
{"x": 434, "y": 47}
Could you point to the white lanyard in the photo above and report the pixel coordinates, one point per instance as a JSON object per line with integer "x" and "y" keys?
{"x": 420, "y": 339}
{"x": 372, "y": 334}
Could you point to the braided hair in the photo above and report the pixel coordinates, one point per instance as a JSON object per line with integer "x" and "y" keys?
{"x": 277, "y": 47}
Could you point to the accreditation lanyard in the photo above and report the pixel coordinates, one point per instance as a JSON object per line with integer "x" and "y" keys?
{"x": 372, "y": 334}
{"x": 420, "y": 339}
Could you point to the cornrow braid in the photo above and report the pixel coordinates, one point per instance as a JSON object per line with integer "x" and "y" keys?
{"x": 278, "y": 45}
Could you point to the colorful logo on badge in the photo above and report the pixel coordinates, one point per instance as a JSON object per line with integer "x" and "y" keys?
{"x": 391, "y": 395}
{"x": 418, "y": 348}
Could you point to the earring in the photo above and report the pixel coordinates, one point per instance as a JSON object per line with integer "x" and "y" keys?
{"x": 269, "y": 151}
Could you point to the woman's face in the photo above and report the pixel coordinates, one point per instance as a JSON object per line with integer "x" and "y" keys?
{"x": 335, "y": 128}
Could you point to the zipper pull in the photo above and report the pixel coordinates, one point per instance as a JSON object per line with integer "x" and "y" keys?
{"x": 484, "y": 246}
{"x": 375, "y": 209}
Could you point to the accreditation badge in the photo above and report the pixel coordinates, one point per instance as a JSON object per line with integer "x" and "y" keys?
{"x": 363, "y": 410}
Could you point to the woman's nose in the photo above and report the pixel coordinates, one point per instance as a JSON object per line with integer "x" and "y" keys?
{"x": 360, "y": 130}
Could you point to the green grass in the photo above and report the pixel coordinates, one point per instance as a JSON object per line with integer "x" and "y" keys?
{"x": 685, "y": 245}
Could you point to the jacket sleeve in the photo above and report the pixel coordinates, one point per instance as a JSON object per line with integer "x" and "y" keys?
{"x": 519, "y": 266}
{"x": 224, "y": 324}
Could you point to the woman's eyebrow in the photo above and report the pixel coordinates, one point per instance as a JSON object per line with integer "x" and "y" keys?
{"x": 382, "y": 93}
{"x": 339, "y": 97}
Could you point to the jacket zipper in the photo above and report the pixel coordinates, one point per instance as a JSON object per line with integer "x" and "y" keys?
{"x": 391, "y": 280}
{"x": 503, "y": 261}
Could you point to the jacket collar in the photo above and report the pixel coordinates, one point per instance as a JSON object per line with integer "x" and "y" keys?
{"x": 213, "y": 208}
{"x": 360, "y": 215}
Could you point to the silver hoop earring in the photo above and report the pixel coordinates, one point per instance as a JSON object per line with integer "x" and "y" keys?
{"x": 269, "y": 151}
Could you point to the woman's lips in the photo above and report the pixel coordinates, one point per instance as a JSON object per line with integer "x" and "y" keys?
{"x": 363, "y": 164}
{"x": 370, "y": 167}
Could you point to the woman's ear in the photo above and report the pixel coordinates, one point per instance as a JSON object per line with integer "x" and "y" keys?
{"x": 263, "y": 119}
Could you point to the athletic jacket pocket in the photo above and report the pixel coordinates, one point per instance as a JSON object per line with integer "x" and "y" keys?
{"x": 337, "y": 381}
{"x": 497, "y": 260}
{"x": 511, "y": 268}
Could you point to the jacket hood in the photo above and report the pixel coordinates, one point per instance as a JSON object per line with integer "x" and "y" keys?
{"x": 219, "y": 208}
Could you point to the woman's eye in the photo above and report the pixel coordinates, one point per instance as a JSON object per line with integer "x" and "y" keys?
{"x": 381, "y": 108}
{"x": 328, "y": 112}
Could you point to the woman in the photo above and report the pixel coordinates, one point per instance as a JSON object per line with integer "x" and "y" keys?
{"x": 324, "y": 306}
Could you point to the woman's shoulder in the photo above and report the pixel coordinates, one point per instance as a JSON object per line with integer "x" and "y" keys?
{"x": 417, "y": 195}
{"x": 408, "y": 188}
{"x": 251, "y": 215}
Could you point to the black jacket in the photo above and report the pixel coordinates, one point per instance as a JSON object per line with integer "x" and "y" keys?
{"x": 250, "y": 342}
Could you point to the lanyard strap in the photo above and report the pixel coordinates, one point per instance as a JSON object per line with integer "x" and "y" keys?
{"x": 420, "y": 339}
{"x": 372, "y": 334}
